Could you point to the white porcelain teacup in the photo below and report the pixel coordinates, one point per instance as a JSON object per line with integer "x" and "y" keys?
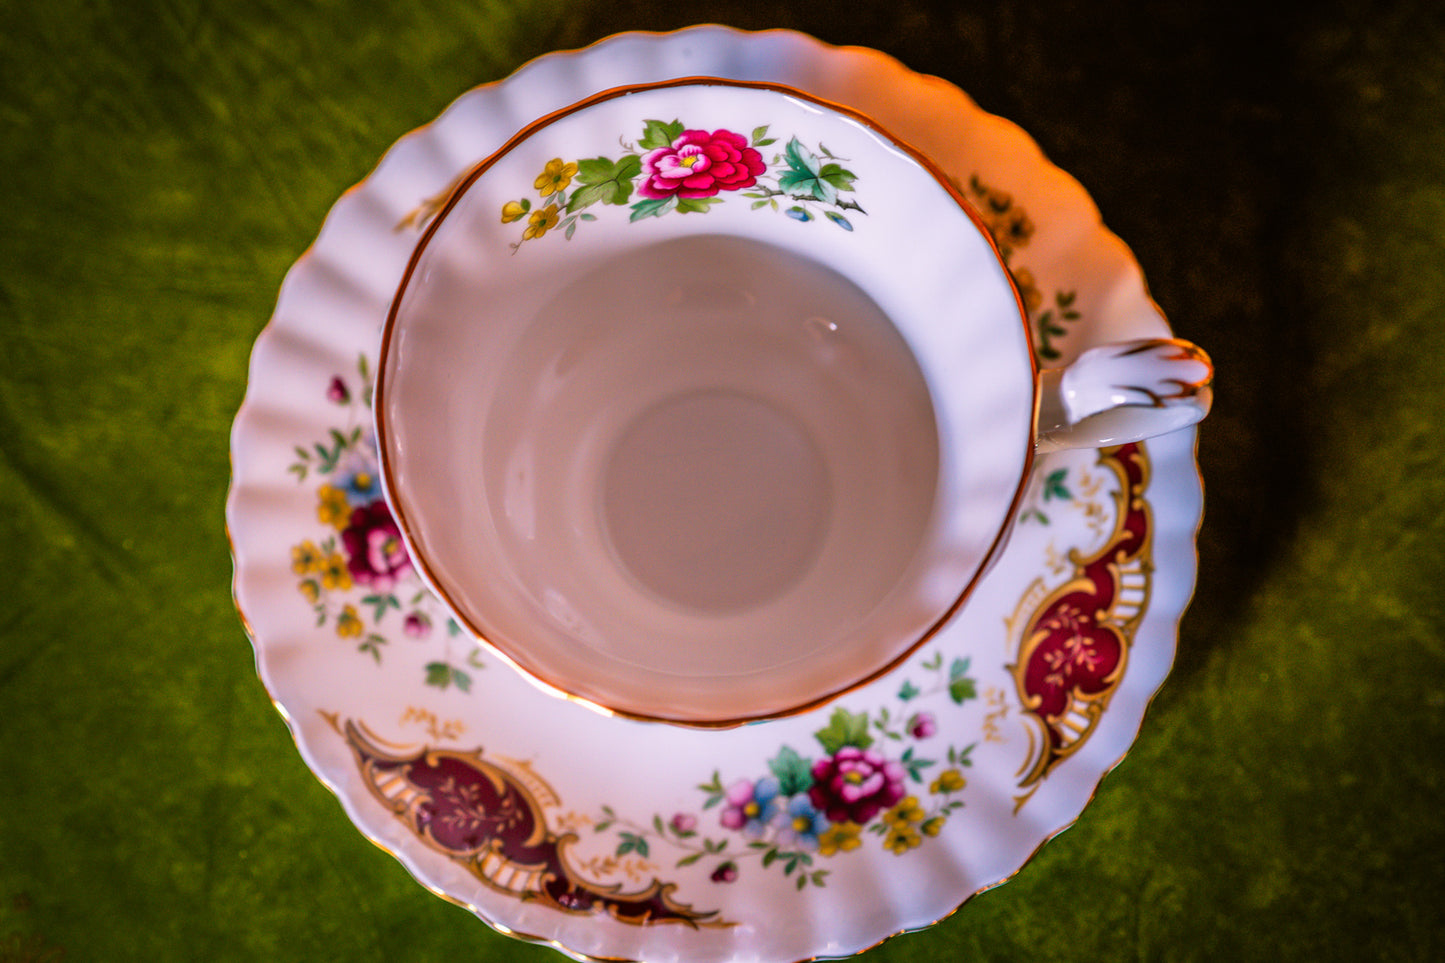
{"x": 704, "y": 402}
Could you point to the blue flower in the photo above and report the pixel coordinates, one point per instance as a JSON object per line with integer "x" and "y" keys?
{"x": 751, "y": 806}
{"x": 801, "y": 824}
{"x": 359, "y": 479}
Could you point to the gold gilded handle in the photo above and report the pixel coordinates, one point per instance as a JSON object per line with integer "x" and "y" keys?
{"x": 1129, "y": 391}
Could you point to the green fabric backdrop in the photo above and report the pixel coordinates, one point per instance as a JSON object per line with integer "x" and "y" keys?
{"x": 1281, "y": 177}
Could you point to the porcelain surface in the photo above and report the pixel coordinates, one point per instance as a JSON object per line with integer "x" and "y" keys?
{"x": 712, "y": 456}
{"x": 815, "y": 836}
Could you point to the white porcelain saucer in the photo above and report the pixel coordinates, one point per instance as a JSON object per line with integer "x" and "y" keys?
{"x": 814, "y": 836}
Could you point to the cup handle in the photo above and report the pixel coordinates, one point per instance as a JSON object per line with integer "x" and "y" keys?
{"x": 1118, "y": 393}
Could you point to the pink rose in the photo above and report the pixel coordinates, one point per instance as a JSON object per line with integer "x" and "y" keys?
{"x": 700, "y": 164}
{"x": 922, "y": 725}
{"x": 855, "y": 784}
{"x": 375, "y": 555}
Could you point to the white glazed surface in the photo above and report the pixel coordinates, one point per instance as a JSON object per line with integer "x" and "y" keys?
{"x": 358, "y": 680}
{"x": 512, "y": 371}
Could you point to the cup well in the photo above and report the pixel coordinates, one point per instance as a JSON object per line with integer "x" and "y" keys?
{"x": 690, "y": 468}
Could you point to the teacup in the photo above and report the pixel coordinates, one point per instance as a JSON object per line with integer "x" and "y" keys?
{"x": 704, "y": 402}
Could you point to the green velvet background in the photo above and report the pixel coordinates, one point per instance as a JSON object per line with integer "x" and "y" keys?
{"x": 1281, "y": 177}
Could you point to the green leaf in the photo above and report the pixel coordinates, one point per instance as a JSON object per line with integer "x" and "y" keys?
{"x": 759, "y": 133}
{"x": 604, "y": 181}
{"x": 696, "y": 205}
{"x": 372, "y": 645}
{"x": 805, "y": 186}
{"x": 838, "y": 219}
{"x": 801, "y": 159}
{"x": 652, "y": 207}
{"x": 839, "y": 176}
{"x": 908, "y": 691}
{"x": 915, "y": 766}
{"x": 379, "y": 604}
{"x": 804, "y": 177}
{"x": 795, "y": 774}
{"x": 1054, "y": 485}
{"x": 656, "y": 134}
{"x": 844, "y": 728}
{"x": 689, "y": 860}
{"x": 961, "y": 688}
{"x": 631, "y": 843}
{"x": 442, "y": 675}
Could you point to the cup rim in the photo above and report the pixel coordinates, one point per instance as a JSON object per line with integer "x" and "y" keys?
{"x": 418, "y": 556}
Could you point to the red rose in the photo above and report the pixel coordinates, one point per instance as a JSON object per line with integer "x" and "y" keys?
{"x": 375, "y": 555}
{"x": 854, "y": 784}
{"x": 700, "y": 164}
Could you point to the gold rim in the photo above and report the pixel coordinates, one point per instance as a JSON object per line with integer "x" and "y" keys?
{"x": 510, "y": 655}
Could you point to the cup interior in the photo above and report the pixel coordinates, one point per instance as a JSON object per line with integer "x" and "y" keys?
{"x": 704, "y": 402}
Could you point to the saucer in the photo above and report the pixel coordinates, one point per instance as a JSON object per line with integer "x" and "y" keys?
{"x": 818, "y": 835}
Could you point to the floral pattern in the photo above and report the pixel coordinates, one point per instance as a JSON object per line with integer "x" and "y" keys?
{"x": 874, "y": 777}
{"x": 674, "y": 168}
{"x": 354, "y": 571}
{"x": 1074, "y": 646}
{"x": 1012, "y": 229}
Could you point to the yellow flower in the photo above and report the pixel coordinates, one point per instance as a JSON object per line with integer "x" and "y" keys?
{"x": 554, "y": 177}
{"x": 901, "y": 838}
{"x": 1014, "y": 228}
{"x": 348, "y": 623}
{"x": 934, "y": 826}
{"x": 332, "y": 507}
{"x": 334, "y": 574}
{"x": 905, "y": 813}
{"x": 514, "y": 211}
{"x": 1028, "y": 290}
{"x": 305, "y": 557}
{"x": 540, "y": 222}
{"x": 839, "y": 838}
{"x": 311, "y": 590}
{"x": 950, "y": 780}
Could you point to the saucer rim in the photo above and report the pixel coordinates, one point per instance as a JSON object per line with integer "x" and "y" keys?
{"x": 1182, "y": 585}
